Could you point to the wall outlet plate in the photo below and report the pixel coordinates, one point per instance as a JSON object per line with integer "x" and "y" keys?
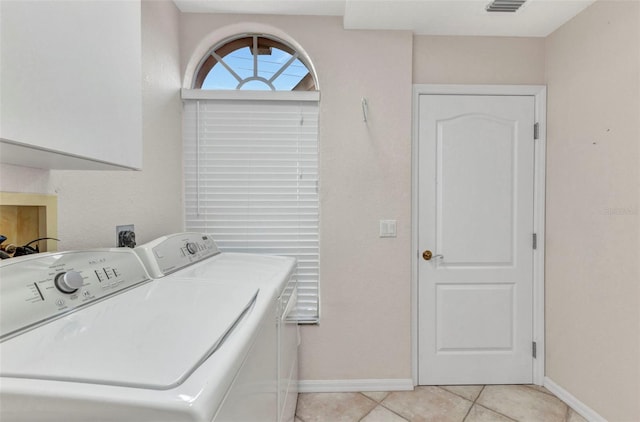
{"x": 123, "y": 228}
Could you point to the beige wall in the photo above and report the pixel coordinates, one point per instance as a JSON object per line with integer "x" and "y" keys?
{"x": 478, "y": 60}
{"x": 592, "y": 262}
{"x": 90, "y": 203}
{"x": 365, "y": 176}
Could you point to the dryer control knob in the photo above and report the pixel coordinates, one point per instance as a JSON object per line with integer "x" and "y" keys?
{"x": 69, "y": 282}
{"x": 192, "y": 248}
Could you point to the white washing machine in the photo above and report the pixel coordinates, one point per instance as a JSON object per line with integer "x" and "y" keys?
{"x": 195, "y": 256}
{"x": 90, "y": 336}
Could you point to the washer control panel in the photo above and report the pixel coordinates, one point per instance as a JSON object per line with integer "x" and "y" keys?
{"x": 37, "y": 288}
{"x": 171, "y": 253}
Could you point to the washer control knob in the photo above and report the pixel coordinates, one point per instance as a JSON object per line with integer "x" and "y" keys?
{"x": 69, "y": 282}
{"x": 192, "y": 248}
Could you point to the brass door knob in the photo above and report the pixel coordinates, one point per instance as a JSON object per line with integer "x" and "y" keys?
{"x": 427, "y": 255}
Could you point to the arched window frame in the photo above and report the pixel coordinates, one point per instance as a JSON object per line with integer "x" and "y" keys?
{"x": 259, "y": 44}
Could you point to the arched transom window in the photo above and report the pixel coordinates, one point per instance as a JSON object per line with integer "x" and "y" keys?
{"x": 254, "y": 62}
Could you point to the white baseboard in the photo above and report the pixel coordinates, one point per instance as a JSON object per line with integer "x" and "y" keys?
{"x": 354, "y": 386}
{"x": 581, "y": 408}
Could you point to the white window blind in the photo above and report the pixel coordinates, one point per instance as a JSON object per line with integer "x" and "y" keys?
{"x": 251, "y": 182}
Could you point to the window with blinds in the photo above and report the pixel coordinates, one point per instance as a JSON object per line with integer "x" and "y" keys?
{"x": 251, "y": 180}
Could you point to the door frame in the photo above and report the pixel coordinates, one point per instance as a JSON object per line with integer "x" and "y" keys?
{"x": 539, "y": 92}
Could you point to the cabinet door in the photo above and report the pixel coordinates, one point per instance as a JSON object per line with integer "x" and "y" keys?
{"x": 71, "y": 79}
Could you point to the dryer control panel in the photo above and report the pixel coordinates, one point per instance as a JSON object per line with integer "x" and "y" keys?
{"x": 35, "y": 289}
{"x": 171, "y": 253}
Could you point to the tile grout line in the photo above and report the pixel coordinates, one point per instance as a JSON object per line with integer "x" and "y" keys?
{"x": 548, "y": 393}
{"x": 473, "y": 403}
{"x": 494, "y": 411}
{"x": 459, "y": 395}
{"x": 372, "y": 409}
{"x": 367, "y": 414}
{"x": 390, "y": 410}
{"x": 362, "y": 393}
{"x": 395, "y": 413}
{"x": 488, "y": 408}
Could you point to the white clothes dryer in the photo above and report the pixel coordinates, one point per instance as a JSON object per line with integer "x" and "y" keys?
{"x": 90, "y": 336}
{"x": 195, "y": 256}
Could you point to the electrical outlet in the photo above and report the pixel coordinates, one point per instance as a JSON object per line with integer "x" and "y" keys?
{"x": 125, "y": 236}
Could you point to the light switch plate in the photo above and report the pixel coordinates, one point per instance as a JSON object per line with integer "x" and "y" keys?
{"x": 387, "y": 228}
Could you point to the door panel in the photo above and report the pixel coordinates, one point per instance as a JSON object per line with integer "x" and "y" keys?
{"x": 473, "y": 317}
{"x": 466, "y": 183}
{"x": 476, "y": 216}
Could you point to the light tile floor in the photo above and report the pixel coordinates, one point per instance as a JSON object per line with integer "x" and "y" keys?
{"x": 463, "y": 403}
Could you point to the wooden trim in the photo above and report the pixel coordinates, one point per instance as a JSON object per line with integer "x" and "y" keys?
{"x": 222, "y": 52}
{"x": 204, "y": 70}
{"x": 306, "y": 84}
{"x": 264, "y": 43}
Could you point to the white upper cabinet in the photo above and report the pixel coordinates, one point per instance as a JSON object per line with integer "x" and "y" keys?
{"x": 71, "y": 84}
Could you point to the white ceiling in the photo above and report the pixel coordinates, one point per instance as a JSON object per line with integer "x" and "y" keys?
{"x": 536, "y": 18}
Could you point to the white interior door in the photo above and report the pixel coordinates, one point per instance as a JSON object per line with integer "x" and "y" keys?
{"x": 475, "y": 202}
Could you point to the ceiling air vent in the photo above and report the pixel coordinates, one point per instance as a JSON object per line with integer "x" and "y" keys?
{"x": 504, "y": 5}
